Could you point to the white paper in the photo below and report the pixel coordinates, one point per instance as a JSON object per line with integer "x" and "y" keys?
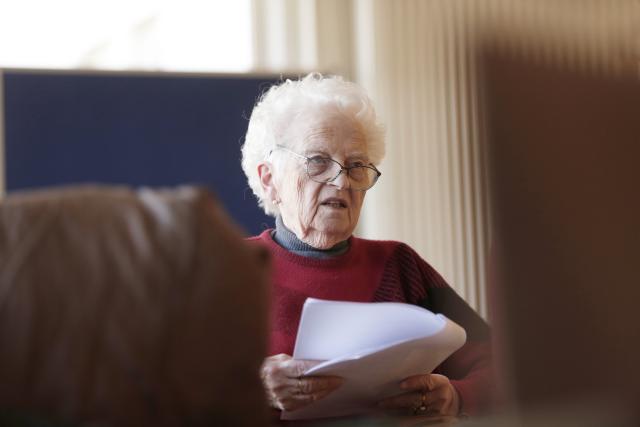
{"x": 373, "y": 346}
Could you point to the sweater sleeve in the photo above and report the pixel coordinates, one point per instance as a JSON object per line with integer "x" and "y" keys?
{"x": 469, "y": 369}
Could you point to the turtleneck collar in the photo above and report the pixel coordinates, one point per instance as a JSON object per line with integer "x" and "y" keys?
{"x": 288, "y": 240}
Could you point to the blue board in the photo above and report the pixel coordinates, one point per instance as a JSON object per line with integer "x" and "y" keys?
{"x": 140, "y": 130}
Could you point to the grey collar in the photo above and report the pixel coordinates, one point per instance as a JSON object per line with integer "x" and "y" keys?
{"x": 288, "y": 240}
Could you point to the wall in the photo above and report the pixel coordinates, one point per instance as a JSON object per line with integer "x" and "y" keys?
{"x": 138, "y": 129}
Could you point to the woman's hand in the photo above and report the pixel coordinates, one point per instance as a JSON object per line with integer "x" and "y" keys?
{"x": 286, "y": 390}
{"x": 431, "y": 393}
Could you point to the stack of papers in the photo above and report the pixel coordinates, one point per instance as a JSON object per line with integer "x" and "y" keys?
{"x": 373, "y": 346}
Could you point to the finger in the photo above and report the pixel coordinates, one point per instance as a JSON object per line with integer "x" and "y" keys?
{"x": 407, "y": 400}
{"x": 311, "y": 385}
{"x": 277, "y": 358}
{"x": 275, "y": 369}
{"x": 436, "y": 408}
{"x": 274, "y": 366}
{"x": 445, "y": 401}
{"x": 306, "y": 386}
{"x": 296, "y": 401}
{"x": 284, "y": 365}
{"x": 424, "y": 382}
{"x": 441, "y": 401}
{"x": 401, "y": 401}
{"x": 297, "y": 368}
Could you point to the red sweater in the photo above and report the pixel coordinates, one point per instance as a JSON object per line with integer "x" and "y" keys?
{"x": 376, "y": 271}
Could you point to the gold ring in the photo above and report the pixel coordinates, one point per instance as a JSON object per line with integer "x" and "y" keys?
{"x": 422, "y": 406}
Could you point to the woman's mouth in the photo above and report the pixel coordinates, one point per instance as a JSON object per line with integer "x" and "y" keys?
{"x": 334, "y": 203}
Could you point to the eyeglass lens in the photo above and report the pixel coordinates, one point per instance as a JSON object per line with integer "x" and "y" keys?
{"x": 323, "y": 169}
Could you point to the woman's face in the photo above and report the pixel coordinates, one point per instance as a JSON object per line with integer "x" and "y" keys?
{"x": 320, "y": 214}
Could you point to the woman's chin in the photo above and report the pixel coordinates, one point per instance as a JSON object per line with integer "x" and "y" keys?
{"x": 328, "y": 238}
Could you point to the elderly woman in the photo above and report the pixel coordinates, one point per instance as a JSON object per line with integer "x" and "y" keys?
{"x": 310, "y": 155}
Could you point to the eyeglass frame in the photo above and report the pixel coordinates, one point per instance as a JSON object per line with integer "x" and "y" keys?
{"x": 342, "y": 168}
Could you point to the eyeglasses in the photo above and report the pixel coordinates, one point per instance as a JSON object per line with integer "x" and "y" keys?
{"x": 325, "y": 169}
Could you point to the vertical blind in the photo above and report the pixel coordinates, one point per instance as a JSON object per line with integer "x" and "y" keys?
{"x": 421, "y": 73}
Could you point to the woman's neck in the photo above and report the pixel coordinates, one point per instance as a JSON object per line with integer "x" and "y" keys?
{"x": 288, "y": 240}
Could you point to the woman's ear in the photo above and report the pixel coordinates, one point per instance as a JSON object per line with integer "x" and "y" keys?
{"x": 268, "y": 182}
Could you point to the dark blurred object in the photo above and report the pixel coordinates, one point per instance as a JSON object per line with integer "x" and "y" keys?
{"x": 564, "y": 148}
{"x": 129, "y": 309}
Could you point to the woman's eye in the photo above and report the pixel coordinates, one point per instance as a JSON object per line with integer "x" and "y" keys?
{"x": 318, "y": 161}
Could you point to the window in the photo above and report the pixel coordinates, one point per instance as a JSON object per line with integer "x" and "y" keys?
{"x": 171, "y": 35}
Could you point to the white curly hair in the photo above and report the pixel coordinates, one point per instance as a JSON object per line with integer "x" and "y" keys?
{"x": 278, "y": 107}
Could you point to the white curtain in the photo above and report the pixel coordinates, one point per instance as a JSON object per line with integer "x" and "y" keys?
{"x": 298, "y": 36}
{"x": 433, "y": 193}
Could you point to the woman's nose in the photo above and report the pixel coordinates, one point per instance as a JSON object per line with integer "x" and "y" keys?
{"x": 342, "y": 181}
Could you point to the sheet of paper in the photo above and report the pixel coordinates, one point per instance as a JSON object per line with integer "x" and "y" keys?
{"x": 373, "y": 346}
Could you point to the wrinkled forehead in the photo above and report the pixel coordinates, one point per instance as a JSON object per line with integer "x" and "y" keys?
{"x": 326, "y": 131}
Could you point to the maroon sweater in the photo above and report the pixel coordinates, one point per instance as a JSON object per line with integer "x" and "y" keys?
{"x": 377, "y": 271}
